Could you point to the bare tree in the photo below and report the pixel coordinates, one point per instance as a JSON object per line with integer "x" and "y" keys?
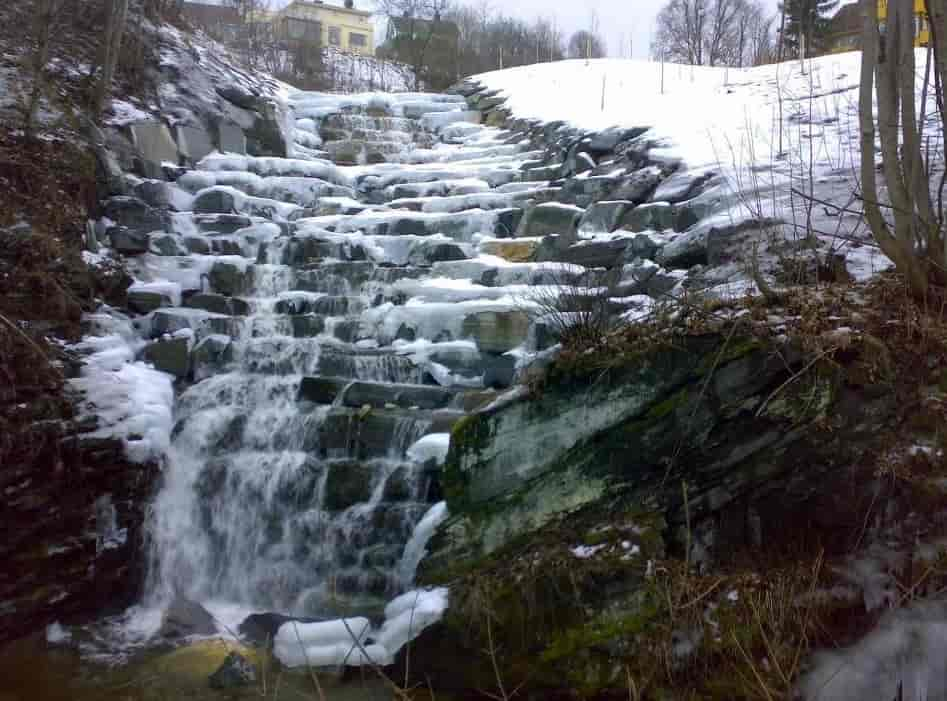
{"x": 115, "y": 14}
{"x": 421, "y": 36}
{"x": 908, "y": 227}
{"x": 713, "y": 32}
{"x": 585, "y": 44}
{"x": 48, "y": 15}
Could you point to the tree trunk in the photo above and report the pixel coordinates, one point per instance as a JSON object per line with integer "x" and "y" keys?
{"x": 45, "y": 17}
{"x": 115, "y": 12}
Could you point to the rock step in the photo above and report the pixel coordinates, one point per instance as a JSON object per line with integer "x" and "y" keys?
{"x": 362, "y": 433}
{"x": 378, "y": 395}
{"x": 330, "y": 135}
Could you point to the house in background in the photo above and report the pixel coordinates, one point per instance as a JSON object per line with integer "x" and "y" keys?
{"x": 845, "y": 30}
{"x": 344, "y": 28}
{"x": 922, "y": 27}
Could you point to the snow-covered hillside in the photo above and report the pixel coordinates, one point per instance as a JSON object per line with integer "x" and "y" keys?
{"x": 781, "y": 134}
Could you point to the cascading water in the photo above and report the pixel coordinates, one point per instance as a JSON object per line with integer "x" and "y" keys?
{"x": 301, "y": 502}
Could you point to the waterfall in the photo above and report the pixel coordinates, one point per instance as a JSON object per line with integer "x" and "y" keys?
{"x": 310, "y": 501}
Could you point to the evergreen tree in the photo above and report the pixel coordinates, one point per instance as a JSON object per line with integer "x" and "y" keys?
{"x": 809, "y": 19}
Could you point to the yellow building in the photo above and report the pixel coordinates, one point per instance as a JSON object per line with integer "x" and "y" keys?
{"x": 344, "y": 28}
{"x": 922, "y": 28}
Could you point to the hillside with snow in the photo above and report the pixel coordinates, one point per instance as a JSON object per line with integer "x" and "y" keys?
{"x": 784, "y": 136}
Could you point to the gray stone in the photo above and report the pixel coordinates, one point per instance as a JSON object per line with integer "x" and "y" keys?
{"x": 543, "y": 219}
{"x": 265, "y": 137}
{"x": 167, "y": 245}
{"x": 228, "y": 278}
{"x": 230, "y": 138}
{"x": 427, "y": 252}
{"x": 644, "y": 246}
{"x": 143, "y": 302}
{"x": 218, "y": 304}
{"x": 133, "y": 213}
{"x": 496, "y": 332}
{"x": 507, "y": 221}
{"x": 307, "y": 325}
{"x": 155, "y": 144}
{"x": 609, "y": 139}
{"x": 682, "y": 186}
{"x": 185, "y": 617}
{"x": 214, "y": 201}
{"x": 658, "y": 216}
{"x": 735, "y": 242}
{"x": 321, "y": 390}
{"x": 210, "y": 355}
{"x": 222, "y": 223}
{"x": 638, "y": 186}
{"x": 170, "y": 355}
{"x": 128, "y": 241}
{"x": 155, "y": 193}
{"x": 194, "y": 143}
{"x": 196, "y": 244}
{"x": 604, "y": 216}
{"x": 234, "y": 672}
{"x": 347, "y": 483}
{"x": 686, "y": 250}
{"x": 378, "y": 395}
{"x": 595, "y": 254}
{"x": 498, "y": 371}
{"x": 583, "y": 162}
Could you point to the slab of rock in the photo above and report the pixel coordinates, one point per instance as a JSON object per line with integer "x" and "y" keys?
{"x": 131, "y": 242}
{"x": 145, "y": 302}
{"x": 170, "y": 355}
{"x": 496, "y": 332}
{"x": 230, "y": 138}
{"x": 550, "y": 218}
{"x": 156, "y": 146}
{"x": 184, "y": 617}
{"x": 638, "y": 186}
{"x": 604, "y": 216}
{"x": 657, "y": 216}
{"x": 595, "y": 254}
{"x": 513, "y": 250}
{"x": 218, "y": 304}
{"x": 194, "y": 143}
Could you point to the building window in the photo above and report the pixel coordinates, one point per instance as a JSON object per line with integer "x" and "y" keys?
{"x": 335, "y": 36}
{"x": 357, "y": 40}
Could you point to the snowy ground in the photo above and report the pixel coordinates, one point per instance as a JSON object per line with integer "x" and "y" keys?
{"x": 774, "y": 131}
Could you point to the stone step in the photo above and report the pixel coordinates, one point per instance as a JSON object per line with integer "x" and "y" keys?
{"x": 366, "y": 433}
{"x": 378, "y": 395}
{"x": 369, "y": 122}
{"x": 355, "y": 151}
{"x": 330, "y": 135}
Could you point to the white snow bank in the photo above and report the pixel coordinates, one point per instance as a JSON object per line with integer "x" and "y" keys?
{"x": 129, "y": 400}
{"x": 907, "y": 647}
{"x": 433, "y": 445}
{"x": 352, "y": 642}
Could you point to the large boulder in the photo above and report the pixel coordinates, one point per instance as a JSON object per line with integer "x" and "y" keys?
{"x": 184, "y": 618}
{"x": 604, "y": 216}
{"x": 550, "y": 218}
{"x": 267, "y": 136}
{"x": 638, "y": 186}
{"x": 496, "y": 332}
{"x": 171, "y": 355}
